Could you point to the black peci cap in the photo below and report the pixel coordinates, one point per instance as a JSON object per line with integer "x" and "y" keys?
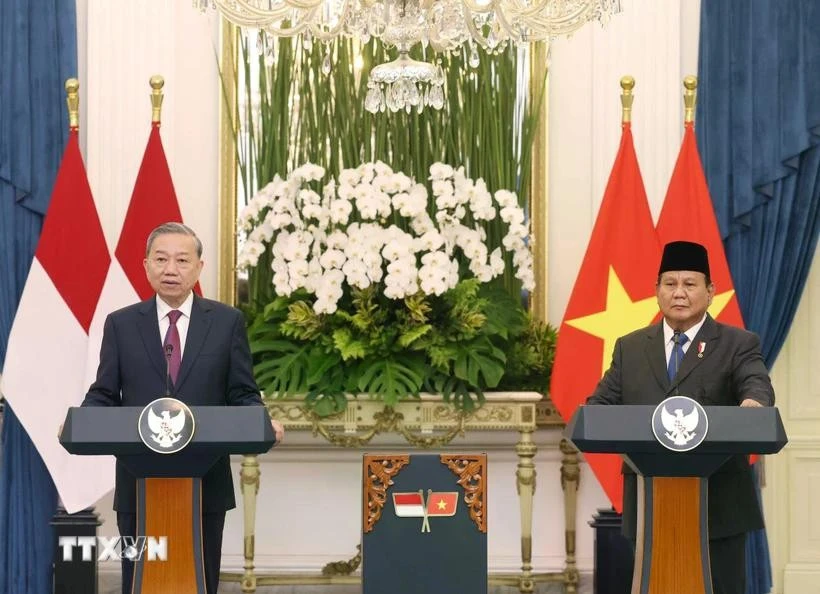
{"x": 684, "y": 255}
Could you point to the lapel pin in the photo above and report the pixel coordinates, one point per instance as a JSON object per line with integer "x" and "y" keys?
{"x": 701, "y": 349}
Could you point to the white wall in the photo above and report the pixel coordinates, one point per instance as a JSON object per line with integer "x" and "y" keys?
{"x": 793, "y": 476}
{"x": 121, "y": 45}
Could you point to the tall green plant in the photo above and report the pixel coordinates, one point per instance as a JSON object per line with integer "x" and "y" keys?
{"x": 300, "y": 112}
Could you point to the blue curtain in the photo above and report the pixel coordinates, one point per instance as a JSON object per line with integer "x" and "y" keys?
{"x": 758, "y": 123}
{"x": 38, "y": 51}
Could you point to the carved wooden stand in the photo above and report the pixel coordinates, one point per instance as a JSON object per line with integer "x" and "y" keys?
{"x": 427, "y": 423}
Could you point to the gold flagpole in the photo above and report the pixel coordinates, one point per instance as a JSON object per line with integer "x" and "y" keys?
{"x": 690, "y": 93}
{"x": 72, "y": 89}
{"x": 627, "y": 84}
{"x": 156, "y": 82}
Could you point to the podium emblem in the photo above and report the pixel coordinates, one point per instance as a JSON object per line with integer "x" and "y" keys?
{"x": 166, "y": 425}
{"x": 680, "y": 423}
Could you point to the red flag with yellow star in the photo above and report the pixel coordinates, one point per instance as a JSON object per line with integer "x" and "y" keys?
{"x": 613, "y": 295}
{"x": 688, "y": 215}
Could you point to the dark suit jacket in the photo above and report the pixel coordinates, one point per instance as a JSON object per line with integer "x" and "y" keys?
{"x": 730, "y": 371}
{"x": 216, "y": 370}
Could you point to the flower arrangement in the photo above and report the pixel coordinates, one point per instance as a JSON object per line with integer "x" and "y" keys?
{"x": 386, "y": 286}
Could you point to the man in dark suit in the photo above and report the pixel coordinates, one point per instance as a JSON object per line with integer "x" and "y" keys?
{"x": 724, "y": 367}
{"x": 209, "y": 356}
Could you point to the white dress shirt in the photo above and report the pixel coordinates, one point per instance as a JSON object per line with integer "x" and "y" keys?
{"x": 182, "y": 323}
{"x": 669, "y": 337}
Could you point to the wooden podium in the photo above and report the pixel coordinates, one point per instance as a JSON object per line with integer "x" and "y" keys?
{"x": 169, "y": 485}
{"x": 672, "y": 551}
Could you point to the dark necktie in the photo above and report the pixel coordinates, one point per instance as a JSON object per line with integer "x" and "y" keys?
{"x": 172, "y": 339}
{"x": 677, "y": 354}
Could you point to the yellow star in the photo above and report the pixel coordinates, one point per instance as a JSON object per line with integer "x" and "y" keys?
{"x": 719, "y": 302}
{"x": 442, "y": 504}
{"x": 621, "y": 316}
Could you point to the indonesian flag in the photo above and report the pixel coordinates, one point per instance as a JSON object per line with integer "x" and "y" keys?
{"x": 153, "y": 202}
{"x": 408, "y": 505}
{"x": 688, "y": 215}
{"x": 44, "y": 370}
{"x": 613, "y": 295}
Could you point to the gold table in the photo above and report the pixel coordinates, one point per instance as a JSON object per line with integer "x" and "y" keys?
{"x": 424, "y": 423}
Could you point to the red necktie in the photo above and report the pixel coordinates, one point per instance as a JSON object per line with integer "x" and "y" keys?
{"x": 172, "y": 339}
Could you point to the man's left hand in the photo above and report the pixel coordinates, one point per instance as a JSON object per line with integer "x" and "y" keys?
{"x": 278, "y": 430}
{"x": 750, "y": 403}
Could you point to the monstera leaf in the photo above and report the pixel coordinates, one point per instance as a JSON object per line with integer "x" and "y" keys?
{"x": 392, "y": 379}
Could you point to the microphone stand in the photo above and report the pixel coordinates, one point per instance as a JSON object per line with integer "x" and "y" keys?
{"x": 675, "y": 351}
{"x": 169, "y": 349}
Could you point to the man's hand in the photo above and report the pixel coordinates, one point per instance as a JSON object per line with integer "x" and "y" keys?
{"x": 750, "y": 403}
{"x": 278, "y": 429}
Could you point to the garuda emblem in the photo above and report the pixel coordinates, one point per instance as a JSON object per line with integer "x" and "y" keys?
{"x": 169, "y": 431}
{"x": 165, "y": 428}
{"x": 684, "y": 428}
{"x": 680, "y": 428}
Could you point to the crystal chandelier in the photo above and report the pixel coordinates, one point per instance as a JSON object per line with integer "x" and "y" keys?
{"x": 443, "y": 25}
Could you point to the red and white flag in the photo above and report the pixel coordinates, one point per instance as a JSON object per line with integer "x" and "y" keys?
{"x": 44, "y": 369}
{"x": 153, "y": 202}
{"x": 408, "y": 505}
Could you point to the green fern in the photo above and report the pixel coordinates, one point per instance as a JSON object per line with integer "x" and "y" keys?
{"x": 347, "y": 346}
{"x": 302, "y": 322}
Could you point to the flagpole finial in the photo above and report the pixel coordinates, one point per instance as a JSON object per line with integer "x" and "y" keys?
{"x": 156, "y": 82}
{"x": 627, "y": 84}
{"x": 72, "y": 89}
{"x": 690, "y": 85}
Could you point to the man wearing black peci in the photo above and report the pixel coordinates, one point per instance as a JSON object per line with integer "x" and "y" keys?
{"x": 723, "y": 367}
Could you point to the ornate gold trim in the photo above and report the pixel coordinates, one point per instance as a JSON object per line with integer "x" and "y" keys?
{"x": 377, "y": 476}
{"x": 228, "y": 114}
{"x": 539, "y": 188}
{"x": 546, "y": 415}
{"x": 387, "y": 421}
{"x": 344, "y": 567}
{"x": 472, "y": 476}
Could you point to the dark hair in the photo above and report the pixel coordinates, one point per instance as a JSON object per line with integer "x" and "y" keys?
{"x": 177, "y": 228}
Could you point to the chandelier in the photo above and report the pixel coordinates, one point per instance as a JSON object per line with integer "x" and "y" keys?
{"x": 443, "y": 25}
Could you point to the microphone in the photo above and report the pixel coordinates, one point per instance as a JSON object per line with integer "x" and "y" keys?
{"x": 169, "y": 349}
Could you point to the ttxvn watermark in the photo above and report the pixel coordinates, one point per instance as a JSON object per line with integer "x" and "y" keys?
{"x": 116, "y": 548}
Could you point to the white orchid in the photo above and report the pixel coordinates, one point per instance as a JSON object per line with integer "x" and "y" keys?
{"x": 371, "y": 226}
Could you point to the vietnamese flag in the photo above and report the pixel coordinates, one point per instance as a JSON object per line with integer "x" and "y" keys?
{"x": 442, "y": 504}
{"x": 613, "y": 295}
{"x": 688, "y": 215}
